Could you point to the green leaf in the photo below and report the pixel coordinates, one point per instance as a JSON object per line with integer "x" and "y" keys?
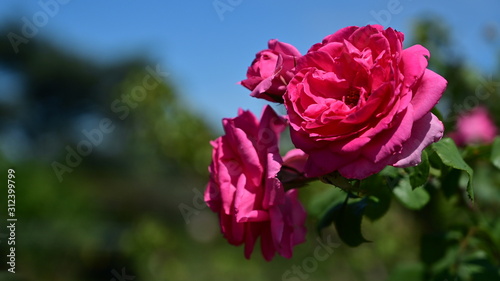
{"x": 390, "y": 171}
{"x": 434, "y": 159}
{"x": 419, "y": 174}
{"x": 495, "y": 153}
{"x": 450, "y": 182}
{"x": 392, "y": 175}
{"x": 347, "y": 219}
{"x": 413, "y": 199}
{"x": 378, "y": 197}
{"x": 449, "y": 154}
{"x": 323, "y": 199}
{"x": 327, "y": 218}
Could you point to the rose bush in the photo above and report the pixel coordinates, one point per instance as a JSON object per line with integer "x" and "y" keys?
{"x": 244, "y": 188}
{"x": 356, "y": 102}
{"x": 359, "y": 102}
{"x": 271, "y": 70}
{"x": 474, "y": 127}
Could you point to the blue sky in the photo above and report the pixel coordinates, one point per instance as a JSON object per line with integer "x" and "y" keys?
{"x": 207, "y": 52}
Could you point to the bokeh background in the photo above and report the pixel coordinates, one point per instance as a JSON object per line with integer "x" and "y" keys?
{"x": 132, "y": 203}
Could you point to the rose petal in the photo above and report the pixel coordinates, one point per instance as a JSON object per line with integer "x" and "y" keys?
{"x": 390, "y": 141}
{"x": 414, "y": 62}
{"x": 322, "y": 162}
{"x": 340, "y": 35}
{"x": 277, "y": 224}
{"x": 428, "y": 93}
{"x": 319, "y": 60}
{"x": 361, "y": 168}
{"x": 295, "y": 159}
{"x": 234, "y": 232}
{"x": 425, "y": 131}
{"x": 263, "y": 86}
{"x": 297, "y": 216}
{"x": 252, "y": 232}
{"x": 246, "y": 150}
{"x": 267, "y": 244}
{"x": 283, "y": 48}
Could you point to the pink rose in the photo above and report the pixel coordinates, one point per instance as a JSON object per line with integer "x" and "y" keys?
{"x": 359, "y": 102}
{"x": 474, "y": 127}
{"x": 245, "y": 191}
{"x": 271, "y": 70}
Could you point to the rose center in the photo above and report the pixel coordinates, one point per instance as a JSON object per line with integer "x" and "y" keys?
{"x": 351, "y": 98}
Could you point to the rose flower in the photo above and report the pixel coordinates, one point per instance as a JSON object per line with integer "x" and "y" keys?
{"x": 474, "y": 127}
{"x": 244, "y": 188}
{"x": 271, "y": 70}
{"x": 359, "y": 102}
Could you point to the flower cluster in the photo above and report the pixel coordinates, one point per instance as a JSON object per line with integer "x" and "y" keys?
{"x": 356, "y": 102}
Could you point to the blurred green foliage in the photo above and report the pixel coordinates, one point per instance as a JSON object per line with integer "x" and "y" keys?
{"x": 121, "y": 209}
